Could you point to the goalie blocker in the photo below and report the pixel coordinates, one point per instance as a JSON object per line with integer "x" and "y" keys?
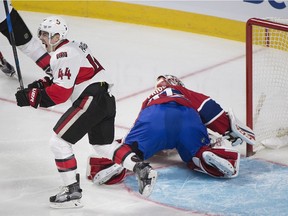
{"x": 239, "y": 131}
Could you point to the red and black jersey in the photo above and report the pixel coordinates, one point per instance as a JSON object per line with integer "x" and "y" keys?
{"x": 73, "y": 69}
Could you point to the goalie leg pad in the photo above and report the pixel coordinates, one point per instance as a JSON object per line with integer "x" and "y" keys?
{"x": 223, "y": 165}
{"x": 110, "y": 175}
{"x": 104, "y": 171}
{"x": 217, "y": 162}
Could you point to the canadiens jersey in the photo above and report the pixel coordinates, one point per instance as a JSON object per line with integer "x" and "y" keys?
{"x": 73, "y": 69}
{"x": 211, "y": 113}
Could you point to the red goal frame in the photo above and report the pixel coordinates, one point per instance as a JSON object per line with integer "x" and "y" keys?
{"x": 249, "y": 66}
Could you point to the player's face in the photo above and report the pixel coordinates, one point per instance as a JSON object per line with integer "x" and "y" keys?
{"x": 159, "y": 80}
{"x": 48, "y": 41}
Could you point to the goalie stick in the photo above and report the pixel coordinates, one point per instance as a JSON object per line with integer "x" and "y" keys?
{"x": 217, "y": 140}
{"x": 12, "y": 39}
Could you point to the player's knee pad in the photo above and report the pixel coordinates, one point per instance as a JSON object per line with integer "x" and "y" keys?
{"x": 217, "y": 162}
{"x": 60, "y": 148}
{"x": 107, "y": 150}
{"x": 104, "y": 171}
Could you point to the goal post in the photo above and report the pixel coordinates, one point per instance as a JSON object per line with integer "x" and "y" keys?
{"x": 267, "y": 82}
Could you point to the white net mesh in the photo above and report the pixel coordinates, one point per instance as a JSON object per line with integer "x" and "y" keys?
{"x": 270, "y": 85}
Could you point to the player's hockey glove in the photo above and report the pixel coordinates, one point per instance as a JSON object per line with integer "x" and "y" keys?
{"x": 41, "y": 83}
{"x": 28, "y": 97}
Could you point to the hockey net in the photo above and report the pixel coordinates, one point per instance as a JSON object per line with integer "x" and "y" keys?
{"x": 267, "y": 82}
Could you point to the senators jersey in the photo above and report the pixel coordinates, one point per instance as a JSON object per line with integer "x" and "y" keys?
{"x": 73, "y": 69}
{"x": 211, "y": 113}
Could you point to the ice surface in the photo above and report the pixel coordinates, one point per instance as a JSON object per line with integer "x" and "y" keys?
{"x": 134, "y": 56}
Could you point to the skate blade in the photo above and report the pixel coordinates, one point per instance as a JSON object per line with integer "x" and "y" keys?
{"x": 69, "y": 204}
{"x": 14, "y": 76}
{"x": 149, "y": 188}
{"x": 104, "y": 175}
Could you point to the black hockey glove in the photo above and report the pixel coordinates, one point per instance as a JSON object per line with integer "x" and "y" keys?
{"x": 41, "y": 83}
{"x": 28, "y": 97}
{"x": 21, "y": 98}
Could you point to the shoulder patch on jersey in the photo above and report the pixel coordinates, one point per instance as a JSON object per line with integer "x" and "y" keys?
{"x": 61, "y": 55}
{"x": 83, "y": 46}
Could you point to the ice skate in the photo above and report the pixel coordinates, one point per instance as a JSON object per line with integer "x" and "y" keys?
{"x": 146, "y": 177}
{"x": 68, "y": 197}
{"x": 221, "y": 164}
{"x": 6, "y": 67}
{"x": 104, "y": 175}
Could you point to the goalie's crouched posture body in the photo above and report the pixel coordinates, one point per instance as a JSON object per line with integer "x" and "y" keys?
{"x": 77, "y": 76}
{"x": 176, "y": 117}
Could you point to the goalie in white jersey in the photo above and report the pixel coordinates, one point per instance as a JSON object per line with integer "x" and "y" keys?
{"x": 78, "y": 76}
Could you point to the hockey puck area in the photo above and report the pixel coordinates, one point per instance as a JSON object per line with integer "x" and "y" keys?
{"x": 260, "y": 189}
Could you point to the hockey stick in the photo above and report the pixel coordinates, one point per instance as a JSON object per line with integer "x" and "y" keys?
{"x": 216, "y": 140}
{"x": 12, "y": 40}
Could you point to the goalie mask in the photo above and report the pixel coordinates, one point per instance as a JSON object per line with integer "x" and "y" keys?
{"x": 168, "y": 79}
{"x": 54, "y": 25}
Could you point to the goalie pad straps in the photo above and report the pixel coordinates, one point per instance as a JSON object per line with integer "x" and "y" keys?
{"x": 120, "y": 154}
{"x": 199, "y": 164}
{"x": 239, "y": 130}
{"x": 95, "y": 165}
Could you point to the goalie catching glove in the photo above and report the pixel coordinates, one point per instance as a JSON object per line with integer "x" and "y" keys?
{"x": 239, "y": 132}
